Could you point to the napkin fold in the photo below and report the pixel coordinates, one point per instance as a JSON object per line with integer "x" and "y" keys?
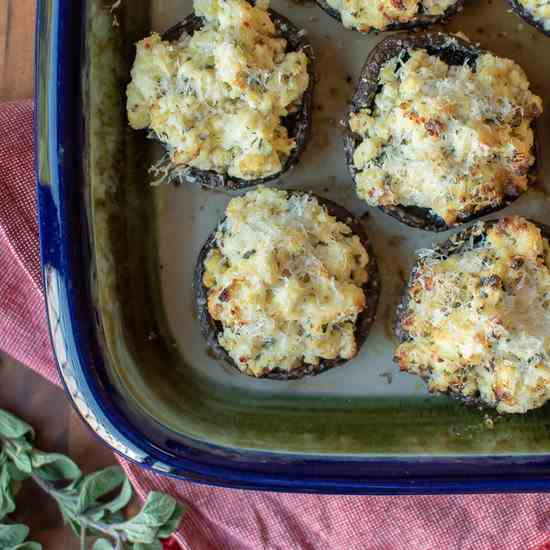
{"x": 231, "y": 519}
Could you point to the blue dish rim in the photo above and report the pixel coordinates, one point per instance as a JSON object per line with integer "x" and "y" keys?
{"x": 79, "y": 356}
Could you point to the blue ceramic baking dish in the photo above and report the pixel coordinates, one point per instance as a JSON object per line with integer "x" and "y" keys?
{"x": 117, "y": 260}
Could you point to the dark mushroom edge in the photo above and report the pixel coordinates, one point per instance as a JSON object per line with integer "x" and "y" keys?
{"x": 298, "y": 123}
{"x": 453, "y": 51}
{"x": 528, "y": 17}
{"x": 211, "y": 329}
{"x": 421, "y": 22}
{"x": 457, "y": 244}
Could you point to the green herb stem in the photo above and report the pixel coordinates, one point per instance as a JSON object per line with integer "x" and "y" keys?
{"x": 84, "y": 520}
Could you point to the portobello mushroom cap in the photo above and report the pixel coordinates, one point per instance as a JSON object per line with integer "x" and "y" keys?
{"x": 211, "y": 328}
{"x": 298, "y": 123}
{"x": 455, "y": 52}
{"x": 462, "y": 242}
{"x": 421, "y": 22}
{"x": 528, "y": 17}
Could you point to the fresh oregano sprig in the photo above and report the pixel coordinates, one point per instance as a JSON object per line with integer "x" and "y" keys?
{"x": 92, "y": 505}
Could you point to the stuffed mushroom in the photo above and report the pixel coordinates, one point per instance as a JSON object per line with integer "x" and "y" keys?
{"x": 534, "y": 12}
{"x": 390, "y": 15}
{"x": 228, "y": 92}
{"x": 475, "y": 318}
{"x": 287, "y": 285}
{"x": 440, "y": 132}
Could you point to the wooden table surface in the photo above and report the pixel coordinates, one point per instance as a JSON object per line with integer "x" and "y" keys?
{"x": 16, "y": 49}
{"x": 22, "y": 392}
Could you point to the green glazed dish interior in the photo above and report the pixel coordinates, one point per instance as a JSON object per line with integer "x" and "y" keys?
{"x": 146, "y": 239}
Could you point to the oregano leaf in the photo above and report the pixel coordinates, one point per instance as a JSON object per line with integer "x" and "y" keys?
{"x": 21, "y": 445}
{"x": 54, "y": 466}
{"x": 7, "y": 505}
{"x": 15, "y": 473}
{"x": 108, "y": 509}
{"x": 140, "y": 532}
{"x": 21, "y": 460}
{"x": 66, "y": 498}
{"x": 27, "y": 546}
{"x": 158, "y": 509}
{"x": 116, "y": 517}
{"x": 155, "y": 545}
{"x": 102, "y": 544}
{"x": 173, "y": 522}
{"x": 5, "y": 476}
{"x": 7, "y": 502}
{"x": 96, "y": 516}
{"x": 12, "y": 427}
{"x": 99, "y": 484}
{"x": 122, "y": 499}
{"x": 10, "y": 535}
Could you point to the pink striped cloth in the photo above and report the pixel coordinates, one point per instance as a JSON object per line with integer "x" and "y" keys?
{"x": 232, "y": 519}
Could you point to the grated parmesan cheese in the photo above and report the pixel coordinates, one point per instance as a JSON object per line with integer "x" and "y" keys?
{"x": 479, "y": 320}
{"x": 216, "y": 98}
{"x": 447, "y": 138}
{"x": 285, "y": 280}
{"x": 365, "y": 15}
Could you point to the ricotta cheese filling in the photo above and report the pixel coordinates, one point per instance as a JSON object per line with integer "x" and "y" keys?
{"x": 216, "y": 98}
{"x": 539, "y": 9}
{"x": 479, "y": 320}
{"x": 285, "y": 279}
{"x": 365, "y": 15}
{"x": 453, "y": 139}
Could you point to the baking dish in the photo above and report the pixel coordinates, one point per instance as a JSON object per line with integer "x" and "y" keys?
{"x": 118, "y": 257}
